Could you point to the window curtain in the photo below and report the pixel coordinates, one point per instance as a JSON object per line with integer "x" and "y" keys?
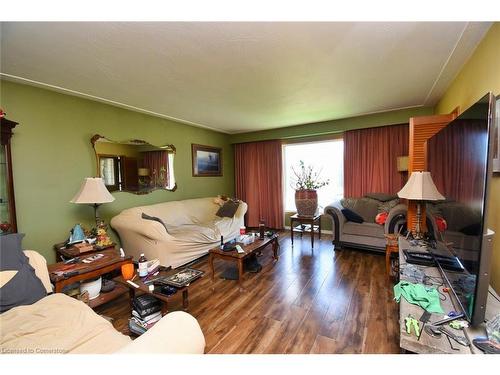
{"x": 157, "y": 163}
{"x": 370, "y": 160}
{"x": 464, "y": 146}
{"x": 259, "y": 174}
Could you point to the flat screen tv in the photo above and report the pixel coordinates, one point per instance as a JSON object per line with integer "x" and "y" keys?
{"x": 459, "y": 158}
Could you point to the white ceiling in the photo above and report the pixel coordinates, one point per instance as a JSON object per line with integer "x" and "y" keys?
{"x": 237, "y": 77}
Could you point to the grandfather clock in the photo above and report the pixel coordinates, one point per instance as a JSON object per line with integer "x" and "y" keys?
{"x": 8, "y": 223}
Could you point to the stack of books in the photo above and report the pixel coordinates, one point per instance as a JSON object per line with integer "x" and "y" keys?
{"x": 146, "y": 312}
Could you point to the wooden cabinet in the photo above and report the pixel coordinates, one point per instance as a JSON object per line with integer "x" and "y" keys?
{"x": 7, "y": 203}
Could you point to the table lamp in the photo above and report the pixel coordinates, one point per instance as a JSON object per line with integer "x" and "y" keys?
{"x": 93, "y": 192}
{"x": 420, "y": 188}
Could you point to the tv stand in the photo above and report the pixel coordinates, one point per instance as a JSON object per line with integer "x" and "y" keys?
{"x": 427, "y": 344}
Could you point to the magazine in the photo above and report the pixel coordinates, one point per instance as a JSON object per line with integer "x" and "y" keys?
{"x": 182, "y": 278}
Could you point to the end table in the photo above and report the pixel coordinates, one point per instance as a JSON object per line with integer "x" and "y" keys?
{"x": 65, "y": 274}
{"x": 309, "y": 224}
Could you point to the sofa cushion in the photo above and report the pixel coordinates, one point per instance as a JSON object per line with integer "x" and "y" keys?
{"x": 228, "y": 209}
{"x": 22, "y": 286}
{"x": 365, "y": 229}
{"x": 154, "y": 218}
{"x": 196, "y": 233}
{"x": 382, "y": 197}
{"x": 58, "y": 324}
{"x": 348, "y": 202}
{"x": 352, "y": 216}
{"x": 367, "y": 208}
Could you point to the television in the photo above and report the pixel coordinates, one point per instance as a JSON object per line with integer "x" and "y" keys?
{"x": 459, "y": 158}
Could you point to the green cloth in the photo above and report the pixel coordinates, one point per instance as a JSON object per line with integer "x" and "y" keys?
{"x": 418, "y": 294}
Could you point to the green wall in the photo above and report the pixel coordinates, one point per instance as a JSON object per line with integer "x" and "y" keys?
{"x": 52, "y": 154}
{"x": 479, "y": 75}
{"x": 334, "y": 126}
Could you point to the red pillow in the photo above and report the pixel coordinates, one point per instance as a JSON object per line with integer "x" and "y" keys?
{"x": 381, "y": 218}
{"x": 441, "y": 223}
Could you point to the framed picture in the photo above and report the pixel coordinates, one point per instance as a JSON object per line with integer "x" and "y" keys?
{"x": 182, "y": 278}
{"x": 207, "y": 160}
{"x": 496, "y": 132}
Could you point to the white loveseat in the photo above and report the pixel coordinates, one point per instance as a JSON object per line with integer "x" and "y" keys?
{"x": 58, "y": 324}
{"x": 192, "y": 229}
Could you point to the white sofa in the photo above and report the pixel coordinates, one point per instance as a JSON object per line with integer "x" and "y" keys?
{"x": 58, "y": 324}
{"x": 193, "y": 229}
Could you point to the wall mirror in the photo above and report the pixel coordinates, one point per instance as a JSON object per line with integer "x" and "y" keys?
{"x": 135, "y": 165}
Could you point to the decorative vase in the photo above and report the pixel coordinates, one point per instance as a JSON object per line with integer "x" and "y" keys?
{"x": 306, "y": 202}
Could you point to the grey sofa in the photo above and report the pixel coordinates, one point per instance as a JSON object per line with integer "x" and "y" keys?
{"x": 367, "y": 235}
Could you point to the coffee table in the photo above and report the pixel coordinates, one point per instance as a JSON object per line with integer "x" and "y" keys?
{"x": 249, "y": 249}
{"x": 144, "y": 288}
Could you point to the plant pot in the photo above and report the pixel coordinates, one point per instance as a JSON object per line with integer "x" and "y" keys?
{"x": 306, "y": 202}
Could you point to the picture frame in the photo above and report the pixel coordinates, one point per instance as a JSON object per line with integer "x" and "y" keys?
{"x": 182, "y": 278}
{"x": 496, "y": 136}
{"x": 207, "y": 160}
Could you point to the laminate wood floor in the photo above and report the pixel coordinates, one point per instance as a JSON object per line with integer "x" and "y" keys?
{"x": 310, "y": 301}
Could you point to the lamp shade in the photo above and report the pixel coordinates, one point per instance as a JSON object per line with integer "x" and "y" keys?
{"x": 143, "y": 172}
{"x": 93, "y": 191}
{"x": 420, "y": 187}
{"x": 402, "y": 163}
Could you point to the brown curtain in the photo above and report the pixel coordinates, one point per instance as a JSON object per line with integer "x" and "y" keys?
{"x": 455, "y": 158}
{"x": 370, "y": 160}
{"x": 157, "y": 163}
{"x": 259, "y": 174}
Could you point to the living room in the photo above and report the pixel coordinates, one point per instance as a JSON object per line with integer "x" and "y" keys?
{"x": 272, "y": 95}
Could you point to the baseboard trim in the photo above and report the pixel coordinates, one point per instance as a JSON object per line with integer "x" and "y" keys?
{"x": 322, "y": 230}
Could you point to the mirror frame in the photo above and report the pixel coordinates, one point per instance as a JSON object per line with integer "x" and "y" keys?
{"x": 95, "y": 138}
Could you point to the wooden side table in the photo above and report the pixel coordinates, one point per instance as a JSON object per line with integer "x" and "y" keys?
{"x": 391, "y": 247}
{"x": 65, "y": 274}
{"x": 309, "y": 224}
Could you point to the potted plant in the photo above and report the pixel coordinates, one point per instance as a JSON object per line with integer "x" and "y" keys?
{"x": 306, "y": 183}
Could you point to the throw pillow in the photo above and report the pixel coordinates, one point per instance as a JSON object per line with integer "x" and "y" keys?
{"x": 440, "y": 223}
{"x": 388, "y": 205}
{"x": 352, "y": 216}
{"x": 348, "y": 202}
{"x": 381, "y": 217}
{"x": 228, "y": 209}
{"x": 382, "y": 197}
{"x": 22, "y": 286}
{"x": 154, "y": 218}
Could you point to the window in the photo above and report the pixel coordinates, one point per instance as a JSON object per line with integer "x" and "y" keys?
{"x": 325, "y": 156}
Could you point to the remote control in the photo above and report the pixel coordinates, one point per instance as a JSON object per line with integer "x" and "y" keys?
{"x": 239, "y": 249}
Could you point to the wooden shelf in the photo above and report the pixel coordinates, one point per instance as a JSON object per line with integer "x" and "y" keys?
{"x": 106, "y": 297}
{"x": 305, "y": 228}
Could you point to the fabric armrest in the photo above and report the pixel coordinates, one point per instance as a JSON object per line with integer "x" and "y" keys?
{"x": 241, "y": 211}
{"x": 39, "y": 263}
{"x": 396, "y": 214}
{"x": 177, "y": 333}
{"x": 147, "y": 228}
{"x": 338, "y": 219}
